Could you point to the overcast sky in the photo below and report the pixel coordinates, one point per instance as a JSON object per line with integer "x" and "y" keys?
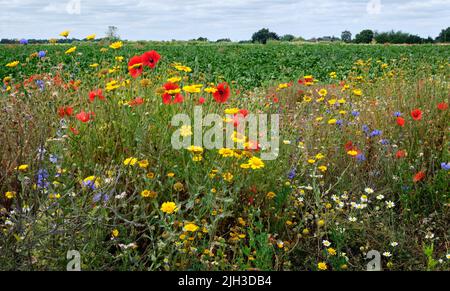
{"x": 235, "y": 19}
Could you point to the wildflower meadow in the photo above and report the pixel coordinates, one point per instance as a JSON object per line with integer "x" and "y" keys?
{"x": 223, "y": 157}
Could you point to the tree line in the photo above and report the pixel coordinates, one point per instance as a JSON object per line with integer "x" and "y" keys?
{"x": 365, "y": 36}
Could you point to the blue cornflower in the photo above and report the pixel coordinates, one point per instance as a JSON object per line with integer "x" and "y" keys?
{"x": 361, "y": 157}
{"x": 291, "y": 174}
{"x": 40, "y": 84}
{"x": 339, "y": 122}
{"x": 355, "y": 113}
{"x": 445, "y": 166}
{"x": 397, "y": 114}
{"x": 384, "y": 141}
{"x": 42, "y": 54}
{"x": 365, "y": 128}
{"x": 53, "y": 159}
{"x": 23, "y": 41}
{"x": 376, "y": 132}
{"x": 42, "y": 176}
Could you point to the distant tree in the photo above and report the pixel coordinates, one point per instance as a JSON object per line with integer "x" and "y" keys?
{"x": 263, "y": 35}
{"x": 287, "y": 37}
{"x": 444, "y": 36}
{"x": 346, "y": 36}
{"x": 365, "y": 36}
{"x": 202, "y": 39}
{"x": 111, "y": 34}
{"x": 224, "y": 40}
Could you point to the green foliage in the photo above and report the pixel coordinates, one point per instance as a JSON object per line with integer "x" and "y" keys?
{"x": 264, "y": 35}
{"x": 365, "y": 36}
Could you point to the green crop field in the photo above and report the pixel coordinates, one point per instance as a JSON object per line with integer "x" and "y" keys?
{"x": 88, "y": 161}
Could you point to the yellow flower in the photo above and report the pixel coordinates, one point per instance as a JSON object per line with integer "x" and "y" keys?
{"x": 91, "y": 181}
{"x": 116, "y": 45}
{"x": 283, "y": 86}
{"x": 130, "y": 161}
{"x": 169, "y": 207}
{"x": 190, "y": 227}
{"x": 333, "y": 75}
{"x": 311, "y": 161}
{"x": 150, "y": 175}
{"x": 357, "y": 92}
{"x": 320, "y": 223}
{"x": 183, "y": 68}
{"x": 12, "y": 64}
{"x": 54, "y": 196}
{"x": 226, "y": 153}
{"x": 228, "y": 177}
{"x": 170, "y": 175}
{"x": 323, "y": 92}
{"x": 256, "y": 163}
{"x": 332, "y": 121}
{"x": 352, "y": 153}
{"x": 65, "y": 33}
{"x": 323, "y": 168}
{"x": 322, "y": 266}
{"x": 195, "y": 150}
{"x": 271, "y": 195}
{"x": 332, "y": 101}
{"x": 149, "y": 194}
{"x": 94, "y": 65}
{"x": 119, "y": 58}
{"x": 143, "y": 164}
{"x": 71, "y": 50}
{"x": 91, "y": 37}
{"x": 211, "y": 90}
{"x": 10, "y": 194}
{"x": 115, "y": 233}
{"x": 178, "y": 187}
{"x": 110, "y": 86}
{"x": 22, "y": 168}
{"x": 193, "y": 88}
{"x": 320, "y": 156}
{"x": 186, "y": 130}
{"x": 307, "y": 98}
{"x": 231, "y": 111}
{"x": 331, "y": 251}
{"x": 174, "y": 80}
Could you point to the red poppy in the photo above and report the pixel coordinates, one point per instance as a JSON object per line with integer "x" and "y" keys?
{"x": 349, "y": 146}
{"x": 244, "y": 112}
{"x": 74, "y": 130}
{"x": 419, "y": 177}
{"x": 150, "y": 59}
{"x": 400, "y": 154}
{"x": 137, "y": 101}
{"x": 275, "y": 99}
{"x": 171, "y": 97}
{"x": 416, "y": 114}
{"x": 96, "y": 93}
{"x": 63, "y": 111}
{"x": 201, "y": 100}
{"x": 442, "y": 106}
{"x": 400, "y": 121}
{"x": 135, "y": 67}
{"x": 223, "y": 93}
{"x": 252, "y": 146}
{"x": 83, "y": 116}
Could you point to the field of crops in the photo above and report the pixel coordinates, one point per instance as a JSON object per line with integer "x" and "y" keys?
{"x": 88, "y": 163}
